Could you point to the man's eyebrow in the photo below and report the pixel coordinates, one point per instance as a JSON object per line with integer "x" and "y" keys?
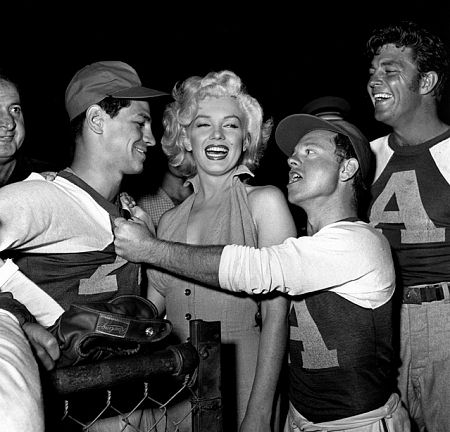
{"x": 385, "y": 62}
{"x": 390, "y": 62}
{"x": 312, "y": 143}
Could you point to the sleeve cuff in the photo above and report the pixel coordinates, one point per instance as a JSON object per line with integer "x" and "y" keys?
{"x": 8, "y": 303}
{"x": 228, "y": 267}
{"x": 6, "y": 271}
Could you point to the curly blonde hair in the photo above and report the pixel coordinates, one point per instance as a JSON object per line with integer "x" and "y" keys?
{"x": 179, "y": 115}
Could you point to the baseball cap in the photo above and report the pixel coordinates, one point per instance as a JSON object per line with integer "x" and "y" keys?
{"x": 292, "y": 128}
{"x": 99, "y": 80}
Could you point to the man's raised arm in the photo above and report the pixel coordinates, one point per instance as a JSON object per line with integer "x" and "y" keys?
{"x": 134, "y": 242}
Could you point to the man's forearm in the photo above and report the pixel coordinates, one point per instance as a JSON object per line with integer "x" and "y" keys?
{"x": 134, "y": 242}
{"x": 200, "y": 263}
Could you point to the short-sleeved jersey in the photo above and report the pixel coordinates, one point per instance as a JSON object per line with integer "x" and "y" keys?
{"x": 411, "y": 206}
{"x": 60, "y": 235}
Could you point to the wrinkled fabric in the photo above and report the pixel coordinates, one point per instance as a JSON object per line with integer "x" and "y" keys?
{"x": 232, "y": 223}
{"x": 21, "y": 406}
{"x": 393, "y": 413}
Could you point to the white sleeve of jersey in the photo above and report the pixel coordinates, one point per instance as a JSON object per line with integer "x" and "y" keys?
{"x": 382, "y": 153}
{"x": 38, "y": 302}
{"x": 441, "y": 156}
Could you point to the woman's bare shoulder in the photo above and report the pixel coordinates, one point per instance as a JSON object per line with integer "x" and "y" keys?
{"x": 266, "y": 192}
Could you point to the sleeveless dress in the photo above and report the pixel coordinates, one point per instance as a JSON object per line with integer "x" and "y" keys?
{"x": 236, "y": 312}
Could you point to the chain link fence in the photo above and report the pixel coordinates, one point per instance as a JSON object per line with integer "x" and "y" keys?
{"x": 135, "y": 393}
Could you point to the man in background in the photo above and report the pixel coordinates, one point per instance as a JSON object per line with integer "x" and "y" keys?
{"x": 14, "y": 164}
{"x": 172, "y": 191}
{"x": 12, "y": 133}
{"x": 328, "y": 107}
{"x": 411, "y": 207}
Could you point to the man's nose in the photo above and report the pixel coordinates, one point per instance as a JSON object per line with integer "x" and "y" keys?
{"x": 293, "y": 162}
{"x": 7, "y": 121}
{"x": 149, "y": 139}
{"x": 374, "y": 80}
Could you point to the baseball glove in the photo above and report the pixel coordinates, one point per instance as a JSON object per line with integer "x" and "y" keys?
{"x": 97, "y": 331}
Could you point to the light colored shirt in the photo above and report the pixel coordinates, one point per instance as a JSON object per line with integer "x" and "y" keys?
{"x": 21, "y": 406}
{"x": 156, "y": 204}
{"x": 351, "y": 259}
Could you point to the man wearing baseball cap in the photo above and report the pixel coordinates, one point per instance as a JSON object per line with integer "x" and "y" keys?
{"x": 340, "y": 279}
{"x": 59, "y": 231}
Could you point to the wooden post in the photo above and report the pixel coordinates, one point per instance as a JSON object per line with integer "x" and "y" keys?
{"x": 207, "y": 415}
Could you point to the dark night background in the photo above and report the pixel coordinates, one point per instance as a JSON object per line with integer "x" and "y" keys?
{"x": 286, "y": 56}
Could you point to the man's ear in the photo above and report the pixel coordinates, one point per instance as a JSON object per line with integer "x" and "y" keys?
{"x": 428, "y": 82}
{"x": 349, "y": 167}
{"x": 95, "y": 117}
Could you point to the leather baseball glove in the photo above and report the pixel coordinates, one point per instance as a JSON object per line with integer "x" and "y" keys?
{"x": 97, "y": 331}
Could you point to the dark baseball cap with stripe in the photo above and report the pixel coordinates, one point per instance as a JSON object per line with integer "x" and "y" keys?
{"x": 99, "y": 80}
{"x": 292, "y": 128}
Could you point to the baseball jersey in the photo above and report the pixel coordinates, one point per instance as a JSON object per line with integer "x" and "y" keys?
{"x": 60, "y": 235}
{"x": 411, "y": 206}
{"x": 341, "y": 281}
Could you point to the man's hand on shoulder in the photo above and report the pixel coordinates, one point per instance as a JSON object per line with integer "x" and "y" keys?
{"x": 44, "y": 344}
{"x": 133, "y": 239}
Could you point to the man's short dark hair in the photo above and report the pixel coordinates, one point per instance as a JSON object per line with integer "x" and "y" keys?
{"x": 429, "y": 52}
{"x": 345, "y": 150}
{"x": 110, "y": 105}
